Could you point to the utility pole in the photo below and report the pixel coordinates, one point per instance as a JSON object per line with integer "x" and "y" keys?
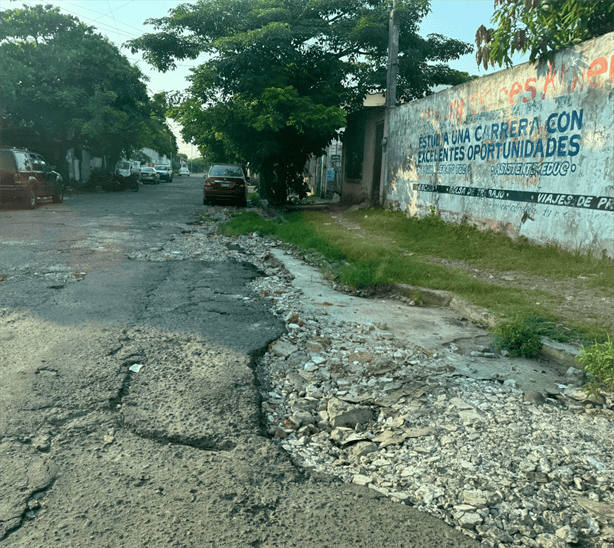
{"x": 391, "y": 94}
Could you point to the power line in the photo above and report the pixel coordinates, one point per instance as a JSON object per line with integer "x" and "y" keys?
{"x": 103, "y": 27}
{"x": 98, "y": 23}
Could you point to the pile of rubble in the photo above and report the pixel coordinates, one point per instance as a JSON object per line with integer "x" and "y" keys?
{"x": 508, "y": 467}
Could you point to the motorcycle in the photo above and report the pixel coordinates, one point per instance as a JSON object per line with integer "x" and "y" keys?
{"x": 114, "y": 181}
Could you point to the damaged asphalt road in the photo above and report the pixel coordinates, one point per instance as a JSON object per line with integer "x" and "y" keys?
{"x": 130, "y": 414}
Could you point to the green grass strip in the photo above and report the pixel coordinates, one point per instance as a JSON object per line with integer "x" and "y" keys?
{"x": 380, "y": 257}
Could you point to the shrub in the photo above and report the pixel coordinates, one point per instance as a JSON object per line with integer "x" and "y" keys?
{"x": 518, "y": 337}
{"x": 254, "y": 198}
{"x": 598, "y": 363}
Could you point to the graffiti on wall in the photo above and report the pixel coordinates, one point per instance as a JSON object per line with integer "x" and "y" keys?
{"x": 510, "y": 143}
{"x": 565, "y": 79}
{"x": 602, "y": 203}
{"x": 527, "y": 149}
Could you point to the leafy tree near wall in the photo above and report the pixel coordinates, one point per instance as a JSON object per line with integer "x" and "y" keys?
{"x": 72, "y": 86}
{"x": 280, "y": 75}
{"x": 540, "y": 28}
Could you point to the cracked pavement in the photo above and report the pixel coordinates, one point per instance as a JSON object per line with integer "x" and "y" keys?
{"x": 129, "y": 412}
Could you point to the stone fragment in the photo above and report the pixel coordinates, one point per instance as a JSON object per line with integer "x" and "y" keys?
{"x": 305, "y": 404}
{"x": 361, "y": 449}
{"x": 475, "y": 499}
{"x": 338, "y": 435}
{"x": 299, "y": 382}
{"x": 301, "y": 418}
{"x": 498, "y": 534}
{"x": 470, "y": 415}
{"x": 354, "y": 437}
{"x": 381, "y": 490}
{"x": 460, "y": 404}
{"x": 391, "y": 399}
{"x": 580, "y": 395}
{"x": 428, "y": 493}
{"x": 314, "y": 346}
{"x": 292, "y": 317}
{"x": 567, "y": 533}
{"x": 380, "y": 366}
{"x": 361, "y": 357}
{"x": 548, "y": 540}
{"x": 602, "y": 511}
{"x": 344, "y": 414}
{"x": 469, "y": 520}
{"x": 389, "y": 437}
{"x": 43, "y": 443}
{"x": 313, "y": 392}
{"x": 419, "y": 432}
{"x": 283, "y": 348}
{"x": 533, "y": 397}
{"x": 359, "y": 479}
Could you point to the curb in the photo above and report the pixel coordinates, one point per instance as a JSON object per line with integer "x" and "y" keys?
{"x": 562, "y": 354}
{"x": 434, "y": 297}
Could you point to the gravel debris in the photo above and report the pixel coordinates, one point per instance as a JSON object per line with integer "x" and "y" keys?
{"x": 507, "y": 467}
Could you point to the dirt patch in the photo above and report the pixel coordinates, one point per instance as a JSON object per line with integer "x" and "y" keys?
{"x": 580, "y": 302}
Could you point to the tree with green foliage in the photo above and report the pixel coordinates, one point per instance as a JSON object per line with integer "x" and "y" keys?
{"x": 70, "y": 85}
{"x": 281, "y": 75}
{"x": 540, "y": 28}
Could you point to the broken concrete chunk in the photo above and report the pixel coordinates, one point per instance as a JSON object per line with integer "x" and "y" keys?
{"x": 361, "y": 449}
{"x": 345, "y": 414}
{"x": 283, "y": 348}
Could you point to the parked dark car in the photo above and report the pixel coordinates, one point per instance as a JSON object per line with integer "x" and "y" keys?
{"x": 149, "y": 175}
{"x": 226, "y": 182}
{"x": 165, "y": 172}
{"x": 26, "y": 177}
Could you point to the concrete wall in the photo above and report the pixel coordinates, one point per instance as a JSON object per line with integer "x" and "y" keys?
{"x": 527, "y": 150}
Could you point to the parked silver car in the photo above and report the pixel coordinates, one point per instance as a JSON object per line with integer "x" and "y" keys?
{"x": 149, "y": 175}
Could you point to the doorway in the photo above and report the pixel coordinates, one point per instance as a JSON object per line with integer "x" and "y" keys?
{"x": 377, "y": 163}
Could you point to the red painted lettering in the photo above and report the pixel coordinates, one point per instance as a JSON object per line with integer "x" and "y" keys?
{"x": 532, "y": 89}
{"x": 516, "y": 88}
{"x": 456, "y": 109}
{"x": 598, "y": 66}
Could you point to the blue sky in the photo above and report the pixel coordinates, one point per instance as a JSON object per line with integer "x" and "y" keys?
{"x": 122, "y": 20}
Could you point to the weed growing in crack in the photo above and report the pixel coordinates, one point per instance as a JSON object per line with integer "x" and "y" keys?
{"x": 598, "y": 363}
{"x": 518, "y": 337}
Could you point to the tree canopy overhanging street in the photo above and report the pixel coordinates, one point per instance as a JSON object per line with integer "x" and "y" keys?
{"x": 70, "y": 85}
{"x": 280, "y": 77}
